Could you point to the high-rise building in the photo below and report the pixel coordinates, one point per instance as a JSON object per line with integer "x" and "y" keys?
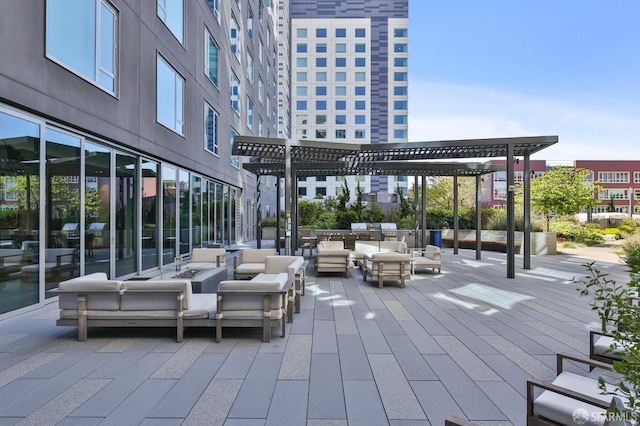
{"x": 349, "y": 82}
{"x": 117, "y": 120}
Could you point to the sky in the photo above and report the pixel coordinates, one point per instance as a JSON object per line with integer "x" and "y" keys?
{"x": 506, "y": 68}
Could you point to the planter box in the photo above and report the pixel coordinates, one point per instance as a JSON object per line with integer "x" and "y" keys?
{"x": 541, "y": 242}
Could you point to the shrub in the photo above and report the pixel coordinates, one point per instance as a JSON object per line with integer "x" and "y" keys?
{"x": 269, "y": 222}
{"x": 570, "y": 230}
{"x": 631, "y": 251}
{"x": 498, "y": 222}
{"x": 612, "y": 231}
{"x": 326, "y": 220}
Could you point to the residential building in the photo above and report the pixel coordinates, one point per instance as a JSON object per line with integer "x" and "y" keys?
{"x": 349, "y": 82}
{"x": 117, "y": 120}
{"x": 619, "y": 182}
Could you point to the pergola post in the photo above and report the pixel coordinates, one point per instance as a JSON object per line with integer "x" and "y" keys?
{"x": 288, "y": 185}
{"x": 455, "y": 214}
{"x": 511, "y": 273}
{"x": 478, "y": 217}
{"x": 424, "y": 211}
{"x": 526, "y": 238}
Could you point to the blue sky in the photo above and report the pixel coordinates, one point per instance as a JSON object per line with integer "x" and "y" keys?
{"x": 498, "y": 68}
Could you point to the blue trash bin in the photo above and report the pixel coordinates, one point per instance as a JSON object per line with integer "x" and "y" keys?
{"x": 435, "y": 237}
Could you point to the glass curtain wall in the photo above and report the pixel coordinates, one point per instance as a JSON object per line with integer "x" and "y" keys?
{"x": 19, "y": 210}
{"x": 169, "y": 211}
{"x": 197, "y": 224}
{"x": 185, "y": 207}
{"x": 125, "y": 214}
{"x": 97, "y": 203}
{"x": 63, "y": 210}
{"x": 150, "y": 214}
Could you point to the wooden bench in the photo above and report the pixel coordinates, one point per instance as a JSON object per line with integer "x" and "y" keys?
{"x": 500, "y": 246}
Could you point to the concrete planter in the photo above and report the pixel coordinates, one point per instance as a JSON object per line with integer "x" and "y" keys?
{"x": 541, "y": 242}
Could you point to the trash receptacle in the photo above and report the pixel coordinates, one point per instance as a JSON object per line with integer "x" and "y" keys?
{"x": 435, "y": 237}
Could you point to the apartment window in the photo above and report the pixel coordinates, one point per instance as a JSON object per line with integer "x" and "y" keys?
{"x": 400, "y": 76}
{"x": 261, "y": 11}
{"x": 400, "y": 32}
{"x": 341, "y": 32}
{"x": 260, "y": 90}
{"x": 301, "y": 76}
{"x": 170, "y": 96}
{"x": 321, "y": 119}
{"x": 360, "y": 105}
{"x": 235, "y": 161}
{"x": 321, "y": 178}
{"x": 341, "y": 62}
{"x": 636, "y": 177}
{"x": 361, "y": 47}
{"x": 321, "y": 133}
{"x": 341, "y": 105}
{"x": 301, "y": 62}
{"x": 341, "y": 134}
{"x": 360, "y": 90}
{"x": 260, "y": 126}
{"x": 341, "y": 76}
{"x": 301, "y": 133}
{"x": 211, "y": 120}
{"x": 321, "y": 90}
{"x": 321, "y": 32}
{"x": 302, "y": 179}
{"x": 91, "y": 48}
{"x": 361, "y": 76}
{"x": 301, "y": 90}
{"x": 321, "y": 48}
{"x": 341, "y": 48}
{"x": 361, "y": 32}
{"x": 249, "y": 114}
{"x": 341, "y": 119}
{"x": 400, "y": 105}
{"x": 301, "y": 105}
{"x": 235, "y": 38}
{"x": 400, "y": 91}
{"x": 261, "y": 51}
{"x": 360, "y": 133}
{"x": 360, "y": 119}
{"x": 302, "y": 191}
{"x": 321, "y": 76}
{"x": 400, "y": 62}
{"x": 400, "y": 119}
{"x": 321, "y": 62}
{"x": 400, "y": 48}
{"x": 301, "y": 47}
{"x": 321, "y": 105}
{"x": 171, "y": 12}
{"x": 235, "y": 92}
{"x": 321, "y": 191}
{"x": 301, "y": 33}
{"x": 215, "y": 8}
{"x": 616, "y": 194}
{"x": 301, "y": 119}
{"x": 211, "y": 58}
{"x": 250, "y": 22}
{"x": 341, "y": 90}
{"x": 360, "y": 62}
{"x": 400, "y": 134}
{"x": 613, "y": 177}
{"x": 249, "y": 68}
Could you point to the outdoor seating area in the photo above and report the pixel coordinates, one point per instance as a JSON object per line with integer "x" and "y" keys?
{"x": 460, "y": 346}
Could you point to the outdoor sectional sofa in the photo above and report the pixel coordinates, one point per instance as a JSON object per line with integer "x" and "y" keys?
{"x": 331, "y": 256}
{"x": 363, "y": 248}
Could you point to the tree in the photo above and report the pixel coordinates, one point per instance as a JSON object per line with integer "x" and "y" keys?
{"x": 563, "y": 190}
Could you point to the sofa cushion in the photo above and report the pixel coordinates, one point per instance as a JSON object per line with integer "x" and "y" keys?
{"x": 107, "y": 299}
{"x": 602, "y": 346}
{"x": 149, "y": 301}
{"x": 560, "y": 408}
{"x": 330, "y": 245}
{"x": 276, "y": 264}
{"x": 250, "y": 268}
{"x": 202, "y": 303}
{"x": 256, "y": 255}
{"x": 207, "y": 255}
{"x": 237, "y": 294}
{"x": 393, "y": 246}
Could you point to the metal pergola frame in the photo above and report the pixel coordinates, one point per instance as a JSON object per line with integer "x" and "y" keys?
{"x": 290, "y": 159}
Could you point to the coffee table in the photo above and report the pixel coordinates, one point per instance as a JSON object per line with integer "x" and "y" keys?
{"x": 203, "y": 280}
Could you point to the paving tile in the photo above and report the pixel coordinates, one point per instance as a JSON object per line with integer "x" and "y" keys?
{"x": 254, "y": 398}
{"x": 238, "y": 362}
{"x": 424, "y": 342}
{"x": 296, "y": 363}
{"x": 411, "y": 362}
{"x": 524, "y": 360}
{"x": 324, "y": 337}
{"x": 501, "y": 394}
{"x": 475, "y": 368}
{"x": 354, "y": 363}
{"x": 289, "y": 404}
{"x": 435, "y": 400}
{"x": 22, "y": 368}
{"x": 364, "y": 406}
{"x": 326, "y": 395}
{"x": 387, "y": 322}
{"x": 214, "y": 405}
{"x": 137, "y": 406}
{"x": 372, "y": 337}
{"x": 345, "y": 323}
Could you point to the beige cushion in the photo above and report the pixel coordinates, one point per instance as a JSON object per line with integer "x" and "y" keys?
{"x": 250, "y": 268}
{"x": 246, "y": 295}
{"x": 324, "y": 245}
{"x": 602, "y": 346}
{"x": 155, "y": 301}
{"x": 203, "y": 303}
{"x": 393, "y": 246}
{"x": 207, "y": 255}
{"x": 256, "y": 255}
{"x": 107, "y": 299}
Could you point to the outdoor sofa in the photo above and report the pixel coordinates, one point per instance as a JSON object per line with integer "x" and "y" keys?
{"x": 331, "y": 256}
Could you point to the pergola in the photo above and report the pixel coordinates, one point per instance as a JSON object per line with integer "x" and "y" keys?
{"x": 290, "y": 159}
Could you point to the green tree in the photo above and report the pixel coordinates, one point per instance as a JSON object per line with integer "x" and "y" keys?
{"x": 358, "y": 206}
{"x": 309, "y": 212}
{"x": 343, "y": 198}
{"x": 563, "y": 190}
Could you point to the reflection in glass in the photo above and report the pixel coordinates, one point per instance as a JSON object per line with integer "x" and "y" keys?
{"x": 168, "y": 214}
{"x": 196, "y": 211}
{"x": 125, "y": 195}
{"x": 149, "y": 214}
{"x": 19, "y": 210}
{"x": 185, "y": 223}
{"x": 62, "y": 230}
{"x": 96, "y": 208}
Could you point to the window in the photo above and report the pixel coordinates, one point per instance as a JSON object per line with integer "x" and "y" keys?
{"x": 321, "y": 105}
{"x": 321, "y": 48}
{"x": 321, "y": 191}
{"x": 321, "y": 76}
{"x": 215, "y": 8}
{"x": 360, "y": 119}
{"x": 249, "y": 68}
{"x": 91, "y": 49}
{"x": 321, "y": 90}
{"x": 361, "y": 76}
{"x": 321, "y": 32}
{"x": 235, "y": 93}
{"x": 361, "y": 47}
{"x": 360, "y": 105}
{"x": 400, "y": 62}
{"x": 301, "y": 62}
{"x": 636, "y": 177}
{"x": 321, "y": 134}
{"x": 400, "y": 134}
{"x": 301, "y": 90}
{"x": 321, "y": 119}
{"x": 321, "y": 178}
{"x": 301, "y": 76}
{"x": 341, "y": 76}
{"x": 250, "y": 22}
{"x": 321, "y": 62}
{"x": 361, "y": 62}
{"x": 616, "y": 194}
{"x": 359, "y": 133}
{"x": 235, "y": 161}
{"x": 399, "y": 119}
{"x": 400, "y": 91}
{"x": 260, "y": 126}
{"x": 613, "y": 177}
{"x": 301, "y": 119}
{"x": 361, "y": 32}
{"x": 302, "y": 191}
{"x": 261, "y": 51}
{"x": 211, "y": 58}
{"x": 400, "y": 32}
{"x": 260, "y": 90}
{"x": 211, "y": 120}
{"x": 301, "y": 133}
{"x": 400, "y": 48}
{"x": 341, "y": 48}
{"x": 341, "y": 105}
{"x": 341, "y": 119}
{"x": 341, "y": 134}
{"x": 341, "y": 32}
{"x": 341, "y": 62}
{"x": 249, "y": 114}
{"x": 341, "y": 90}
{"x": 170, "y": 96}
{"x": 400, "y": 76}
{"x": 400, "y": 105}
{"x": 301, "y": 33}
{"x": 301, "y": 105}
{"x": 360, "y": 90}
{"x": 235, "y": 38}
{"x": 171, "y": 12}
{"x": 301, "y": 47}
